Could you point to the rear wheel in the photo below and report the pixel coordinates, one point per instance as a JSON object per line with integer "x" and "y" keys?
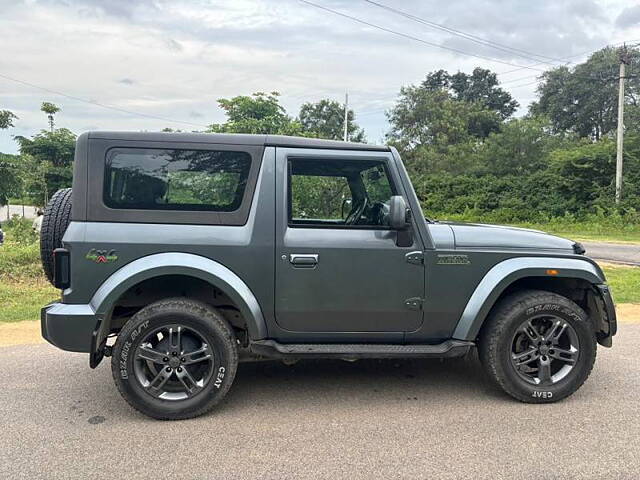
{"x": 538, "y": 346}
{"x": 175, "y": 359}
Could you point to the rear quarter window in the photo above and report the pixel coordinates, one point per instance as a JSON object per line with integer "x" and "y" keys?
{"x": 175, "y": 179}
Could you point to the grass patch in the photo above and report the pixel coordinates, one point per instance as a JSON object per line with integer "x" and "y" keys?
{"x": 23, "y": 299}
{"x": 24, "y": 290}
{"x": 624, "y": 282}
{"x": 20, "y": 262}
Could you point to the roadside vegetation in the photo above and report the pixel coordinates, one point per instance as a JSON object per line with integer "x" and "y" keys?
{"x": 23, "y": 286}
{"x": 625, "y": 283}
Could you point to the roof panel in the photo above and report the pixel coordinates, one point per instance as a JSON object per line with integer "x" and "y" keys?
{"x": 235, "y": 139}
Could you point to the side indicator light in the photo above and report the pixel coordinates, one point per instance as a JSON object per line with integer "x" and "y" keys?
{"x": 552, "y": 272}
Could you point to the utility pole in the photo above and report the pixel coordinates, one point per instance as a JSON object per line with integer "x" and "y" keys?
{"x": 624, "y": 61}
{"x": 346, "y": 116}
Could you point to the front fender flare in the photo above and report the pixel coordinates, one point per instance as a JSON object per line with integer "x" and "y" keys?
{"x": 503, "y": 274}
{"x": 174, "y": 263}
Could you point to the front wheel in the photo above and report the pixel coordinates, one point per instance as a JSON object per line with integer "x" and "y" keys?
{"x": 175, "y": 359}
{"x": 538, "y": 346}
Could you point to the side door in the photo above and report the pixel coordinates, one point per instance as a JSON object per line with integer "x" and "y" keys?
{"x": 338, "y": 265}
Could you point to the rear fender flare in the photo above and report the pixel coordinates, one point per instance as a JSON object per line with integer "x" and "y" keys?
{"x": 174, "y": 263}
{"x": 503, "y": 274}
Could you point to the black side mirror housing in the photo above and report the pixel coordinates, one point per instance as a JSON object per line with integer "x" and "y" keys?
{"x": 398, "y": 213}
{"x": 400, "y": 220}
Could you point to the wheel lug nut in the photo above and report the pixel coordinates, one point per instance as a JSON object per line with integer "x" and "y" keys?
{"x": 174, "y": 353}
{"x": 168, "y": 369}
{"x": 179, "y": 369}
{"x": 165, "y": 359}
{"x": 182, "y": 359}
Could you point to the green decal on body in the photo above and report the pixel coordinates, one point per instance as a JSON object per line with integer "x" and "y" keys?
{"x": 101, "y": 256}
{"x": 453, "y": 260}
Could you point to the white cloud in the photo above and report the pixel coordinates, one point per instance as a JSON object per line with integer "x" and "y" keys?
{"x": 173, "y": 59}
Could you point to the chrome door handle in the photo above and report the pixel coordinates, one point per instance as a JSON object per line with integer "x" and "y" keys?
{"x": 304, "y": 260}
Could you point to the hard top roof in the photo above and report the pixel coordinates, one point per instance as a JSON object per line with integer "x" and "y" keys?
{"x": 235, "y": 139}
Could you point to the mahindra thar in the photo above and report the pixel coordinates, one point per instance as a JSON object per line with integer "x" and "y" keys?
{"x": 180, "y": 254}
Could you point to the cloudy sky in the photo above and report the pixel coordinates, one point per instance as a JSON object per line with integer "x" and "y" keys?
{"x": 166, "y": 62}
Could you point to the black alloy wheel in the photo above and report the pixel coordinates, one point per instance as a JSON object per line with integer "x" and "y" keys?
{"x": 174, "y": 362}
{"x": 544, "y": 350}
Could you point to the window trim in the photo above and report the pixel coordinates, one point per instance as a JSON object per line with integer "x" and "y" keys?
{"x": 289, "y": 159}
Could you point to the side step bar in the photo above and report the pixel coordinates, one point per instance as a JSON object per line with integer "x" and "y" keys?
{"x": 273, "y": 349}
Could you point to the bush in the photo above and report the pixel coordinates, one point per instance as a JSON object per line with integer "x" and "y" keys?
{"x": 20, "y": 261}
{"x": 20, "y": 230}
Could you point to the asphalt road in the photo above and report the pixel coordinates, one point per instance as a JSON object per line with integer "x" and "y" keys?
{"x": 28, "y": 211}
{"x": 614, "y": 252}
{"x": 331, "y": 419}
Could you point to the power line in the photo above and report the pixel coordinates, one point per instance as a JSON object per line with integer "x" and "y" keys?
{"x": 566, "y": 58}
{"x": 98, "y": 104}
{"x": 372, "y": 112}
{"x": 416, "y": 39}
{"x": 572, "y": 56}
{"x": 524, "y": 85}
{"x": 468, "y": 36}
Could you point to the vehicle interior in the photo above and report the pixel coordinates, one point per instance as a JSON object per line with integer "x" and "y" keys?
{"x": 339, "y": 193}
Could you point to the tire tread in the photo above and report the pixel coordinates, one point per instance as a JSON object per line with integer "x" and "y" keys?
{"x": 56, "y": 219}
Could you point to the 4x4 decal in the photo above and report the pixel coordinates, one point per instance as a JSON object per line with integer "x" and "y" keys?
{"x": 101, "y": 256}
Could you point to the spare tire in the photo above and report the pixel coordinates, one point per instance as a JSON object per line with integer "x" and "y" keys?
{"x": 55, "y": 221}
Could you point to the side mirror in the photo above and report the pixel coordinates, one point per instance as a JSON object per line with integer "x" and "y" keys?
{"x": 398, "y": 213}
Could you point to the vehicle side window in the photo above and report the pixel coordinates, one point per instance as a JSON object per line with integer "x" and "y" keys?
{"x": 339, "y": 193}
{"x": 163, "y": 179}
{"x": 319, "y": 197}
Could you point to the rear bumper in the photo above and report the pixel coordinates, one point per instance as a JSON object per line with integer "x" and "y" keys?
{"x": 69, "y": 327}
{"x": 608, "y": 315}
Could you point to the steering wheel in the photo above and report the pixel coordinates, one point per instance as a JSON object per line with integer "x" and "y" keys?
{"x": 377, "y": 213}
{"x": 356, "y": 212}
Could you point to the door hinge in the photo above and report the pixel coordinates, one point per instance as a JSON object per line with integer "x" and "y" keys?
{"x": 416, "y": 258}
{"x": 414, "y": 303}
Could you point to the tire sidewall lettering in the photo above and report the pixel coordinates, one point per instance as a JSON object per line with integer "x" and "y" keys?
{"x": 126, "y": 349}
{"x": 219, "y": 377}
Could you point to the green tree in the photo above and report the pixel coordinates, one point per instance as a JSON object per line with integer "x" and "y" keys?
{"x": 47, "y": 158}
{"x": 521, "y": 147}
{"x": 50, "y": 109}
{"x": 436, "y": 132}
{"x": 6, "y": 119}
{"x": 10, "y": 181}
{"x": 584, "y": 99}
{"x": 481, "y": 86}
{"x": 325, "y": 119}
{"x": 258, "y": 113}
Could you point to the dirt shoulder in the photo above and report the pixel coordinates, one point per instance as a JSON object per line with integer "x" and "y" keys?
{"x": 20, "y": 333}
{"x": 628, "y": 312}
{"x": 27, "y": 333}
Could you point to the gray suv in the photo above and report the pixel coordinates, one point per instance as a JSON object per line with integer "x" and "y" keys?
{"x": 179, "y": 255}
